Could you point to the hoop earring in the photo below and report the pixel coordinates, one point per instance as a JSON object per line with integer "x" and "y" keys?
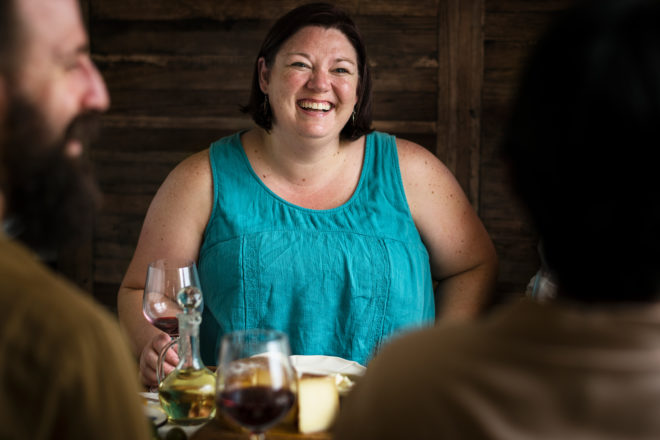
{"x": 353, "y": 117}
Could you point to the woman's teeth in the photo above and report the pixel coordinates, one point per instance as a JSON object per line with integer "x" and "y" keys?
{"x": 324, "y": 106}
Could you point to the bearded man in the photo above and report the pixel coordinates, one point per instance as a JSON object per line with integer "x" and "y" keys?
{"x": 66, "y": 371}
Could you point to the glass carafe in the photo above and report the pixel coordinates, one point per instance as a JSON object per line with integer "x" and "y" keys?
{"x": 187, "y": 394}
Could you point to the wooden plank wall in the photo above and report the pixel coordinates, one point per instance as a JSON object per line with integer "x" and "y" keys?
{"x": 177, "y": 70}
{"x": 510, "y": 29}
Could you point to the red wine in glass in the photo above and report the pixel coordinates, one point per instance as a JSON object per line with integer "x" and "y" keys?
{"x": 166, "y": 278}
{"x": 168, "y": 324}
{"x": 256, "y": 384}
{"x": 256, "y": 408}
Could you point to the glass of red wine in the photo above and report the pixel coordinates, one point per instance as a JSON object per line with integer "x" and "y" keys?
{"x": 256, "y": 384}
{"x": 165, "y": 279}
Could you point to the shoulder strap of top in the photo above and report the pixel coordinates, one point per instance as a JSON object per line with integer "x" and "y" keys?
{"x": 226, "y": 153}
{"x": 227, "y": 161}
{"x": 382, "y": 153}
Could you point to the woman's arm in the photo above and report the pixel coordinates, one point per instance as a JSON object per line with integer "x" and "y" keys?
{"x": 173, "y": 228}
{"x": 463, "y": 258}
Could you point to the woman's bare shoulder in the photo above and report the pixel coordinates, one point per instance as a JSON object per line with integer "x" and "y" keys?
{"x": 418, "y": 164}
{"x": 195, "y": 165}
{"x": 188, "y": 185}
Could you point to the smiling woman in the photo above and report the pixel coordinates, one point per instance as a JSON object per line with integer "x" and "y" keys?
{"x": 312, "y": 223}
{"x": 312, "y": 83}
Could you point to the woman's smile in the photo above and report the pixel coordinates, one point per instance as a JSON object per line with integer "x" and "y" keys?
{"x": 312, "y": 83}
{"x": 315, "y": 106}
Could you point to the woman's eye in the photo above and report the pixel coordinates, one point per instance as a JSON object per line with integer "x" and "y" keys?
{"x": 298, "y": 64}
{"x": 341, "y": 70}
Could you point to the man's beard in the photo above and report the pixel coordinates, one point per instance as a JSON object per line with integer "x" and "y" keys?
{"x": 50, "y": 198}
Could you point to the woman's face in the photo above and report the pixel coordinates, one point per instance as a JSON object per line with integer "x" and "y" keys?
{"x": 312, "y": 83}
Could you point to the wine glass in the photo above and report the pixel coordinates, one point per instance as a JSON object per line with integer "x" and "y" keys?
{"x": 256, "y": 384}
{"x": 165, "y": 279}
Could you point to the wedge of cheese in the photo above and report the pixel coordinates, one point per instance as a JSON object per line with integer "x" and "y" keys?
{"x": 318, "y": 403}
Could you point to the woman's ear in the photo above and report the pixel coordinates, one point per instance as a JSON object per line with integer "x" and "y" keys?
{"x": 264, "y": 74}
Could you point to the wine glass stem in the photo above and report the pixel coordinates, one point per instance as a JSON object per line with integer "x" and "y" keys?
{"x": 257, "y": 436}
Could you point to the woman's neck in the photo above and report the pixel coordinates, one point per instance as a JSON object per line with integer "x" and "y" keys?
{"x": 306, "y": 172}
{"x": 300, "y": 161}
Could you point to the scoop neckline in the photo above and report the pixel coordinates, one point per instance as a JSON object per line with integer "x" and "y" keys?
{"x": 365, "y": 162}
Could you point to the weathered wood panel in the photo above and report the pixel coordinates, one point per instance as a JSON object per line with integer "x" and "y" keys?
{"x": 514, "y": 6}
{"x": 460, "y": 41}
{"x": 130, "y": 103}
{"x": 177, "y": 70}
{"x": 223, "y": 10}
{"x": 511, "y": 29}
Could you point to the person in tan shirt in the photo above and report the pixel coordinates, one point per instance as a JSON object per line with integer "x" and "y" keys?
{"x": 585, "y": 365}
{"x": 65, "y": 369}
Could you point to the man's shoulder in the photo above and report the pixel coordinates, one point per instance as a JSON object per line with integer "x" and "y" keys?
{"x": 29, "y": 288}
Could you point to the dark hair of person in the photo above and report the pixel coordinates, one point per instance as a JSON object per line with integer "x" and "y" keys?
{"x": 8, "y": 37}
{"x": 7, "y": 67}
{"x": 580, "y": 144}
{"x": 327, "y": 16}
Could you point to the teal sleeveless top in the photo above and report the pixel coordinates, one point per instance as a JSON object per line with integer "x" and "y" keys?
{"x": 339, "y": 281}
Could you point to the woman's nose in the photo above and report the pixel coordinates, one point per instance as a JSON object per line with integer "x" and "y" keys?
{"x": 319, "y": 80}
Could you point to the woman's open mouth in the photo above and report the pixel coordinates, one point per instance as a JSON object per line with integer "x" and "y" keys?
{"x": 322, "y": 106}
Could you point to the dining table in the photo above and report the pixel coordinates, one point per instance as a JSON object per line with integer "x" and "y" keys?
{"x": 219, "y": 429}
{"x": 222, "y": 428}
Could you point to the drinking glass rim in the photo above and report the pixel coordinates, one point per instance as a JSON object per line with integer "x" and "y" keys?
{"x": 171, "y": 263}
{"x": 268, "y": 335}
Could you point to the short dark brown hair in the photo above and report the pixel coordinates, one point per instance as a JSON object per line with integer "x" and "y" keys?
{"x": 327, "y": 16}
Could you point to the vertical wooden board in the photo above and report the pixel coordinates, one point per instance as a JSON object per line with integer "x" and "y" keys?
{"x": 460, "y": 45}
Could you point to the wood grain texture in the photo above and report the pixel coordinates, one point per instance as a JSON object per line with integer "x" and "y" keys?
{"x": 228, "y": 10}
{"x": 514, "y": 6}
{"x": 511, "y": 28}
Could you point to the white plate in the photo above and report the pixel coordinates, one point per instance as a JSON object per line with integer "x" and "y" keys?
{"x": 152, "y": 409}
{"x": 326, "y": 365}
